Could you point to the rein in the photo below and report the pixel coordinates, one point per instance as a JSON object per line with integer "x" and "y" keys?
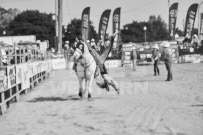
{"x": 85, "y": 65}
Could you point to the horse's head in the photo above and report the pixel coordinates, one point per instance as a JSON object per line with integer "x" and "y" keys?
{"x": 79, "y": 51}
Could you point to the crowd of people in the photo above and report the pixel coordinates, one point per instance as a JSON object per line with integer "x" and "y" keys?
{"x": 16, "y": 54}
{"x": 194, "y": 41}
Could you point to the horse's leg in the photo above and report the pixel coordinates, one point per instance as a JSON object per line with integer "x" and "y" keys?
{"x": 80, "y": 87}
{"x": 88, "y": 86}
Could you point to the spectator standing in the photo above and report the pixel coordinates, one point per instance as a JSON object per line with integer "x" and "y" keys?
{"x": 134, "y": 58}
{"x": 167, "y": 57}
{"x": 155, "y": 58}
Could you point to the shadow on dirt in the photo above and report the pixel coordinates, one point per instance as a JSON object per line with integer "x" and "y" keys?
{"x": 42, "y": 99}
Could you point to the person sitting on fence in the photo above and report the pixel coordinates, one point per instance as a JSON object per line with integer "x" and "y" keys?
{"x": 195, "y": 41}
{"x": 4, "y": 57}
{"x": 186, "y": 40}
{"x": 53, "y": 54}
{"x": 8, "y": 53}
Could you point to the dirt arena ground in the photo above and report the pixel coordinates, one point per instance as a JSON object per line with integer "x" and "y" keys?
{"x": 147, "y": 105}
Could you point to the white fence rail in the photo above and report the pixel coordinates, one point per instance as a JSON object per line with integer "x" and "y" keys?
{"x": 21, "y": 69}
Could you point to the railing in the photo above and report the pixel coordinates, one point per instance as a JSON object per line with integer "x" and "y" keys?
{"x": 21, "y": 69}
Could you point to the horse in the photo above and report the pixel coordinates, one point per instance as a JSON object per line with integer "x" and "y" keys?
{"x": 86, "y": 60}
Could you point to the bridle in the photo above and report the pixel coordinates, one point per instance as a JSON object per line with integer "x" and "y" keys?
{"x": 85, "y": 65}
{"x": 80, "y": 52}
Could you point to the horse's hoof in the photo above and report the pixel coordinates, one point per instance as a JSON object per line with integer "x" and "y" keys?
{"x": 89, "y": 96}
{"x": 80, "y": 94}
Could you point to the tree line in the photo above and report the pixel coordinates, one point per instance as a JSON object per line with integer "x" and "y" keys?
{"x": 33, "y": 22}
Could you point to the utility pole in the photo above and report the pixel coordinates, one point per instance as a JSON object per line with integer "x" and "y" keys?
{"x": 59, "y": 25}
{"x": 56, "y": 26}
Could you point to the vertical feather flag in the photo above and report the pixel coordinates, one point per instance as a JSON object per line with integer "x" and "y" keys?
{"x": 85, "y": 24}
{"x": 116, "y": 22}
{"x": 201, "y": 25}
{"x": 103, "y": 24}
{"x": 173, "y": 11}
{"x": 190, "y": 19}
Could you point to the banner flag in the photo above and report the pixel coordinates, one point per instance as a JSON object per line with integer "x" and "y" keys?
{"x": 173, "y": 11}
{"x": 116, "y": 24}
{"x": 116, "y": 19}
{"x": 103, "y": 24}
{"x": 85, "y": 24}
{"x": 3, "y": 80}
{"x": 201, "y": 24}
{"x": 11, "y": 74}
{"x": 190, "y": 20}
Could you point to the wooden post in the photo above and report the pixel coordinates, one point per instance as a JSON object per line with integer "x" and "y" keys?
{"x": 60, "y": 25}
{"x": 56, "y": 25}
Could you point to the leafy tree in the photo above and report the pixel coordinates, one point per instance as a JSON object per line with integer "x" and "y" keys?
{"x": 32, "y": 22}
{"x": 6, "y": 16}
{"x": 74, "y": 30}
{"x": 156, "y": 30}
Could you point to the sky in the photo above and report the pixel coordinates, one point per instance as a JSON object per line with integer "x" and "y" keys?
{"x": 131, "y": 10}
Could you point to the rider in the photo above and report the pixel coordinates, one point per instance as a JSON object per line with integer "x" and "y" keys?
{"x": 100, "y": 59}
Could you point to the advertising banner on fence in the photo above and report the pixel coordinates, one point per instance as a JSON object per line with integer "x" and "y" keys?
{"x": 85, "y": 23}
{"x": 193, "y": 58}
{"x": 190, "y": 20}
{"x": 49, "y": 65}
{"x": 34, "y": 68}
{"x": 113, "y": 63}
{"x": 3, "y": 80}
{"x": 30, "y": 67}
{"x": 19, "y": 73}
{"x": 43, "y": 66}
{"x": 58, "y": 63}
{"x": 103, "y": 24}
{"x": 11, "y": 74}
{"x": 173, "y": 11}
{"x": 25, "y": 76}
{"x": 38, "y": 67}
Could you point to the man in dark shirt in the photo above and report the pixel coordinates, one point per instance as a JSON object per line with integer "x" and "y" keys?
{"x": 155, "y": 57}
{"x": 167, "y": 56}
